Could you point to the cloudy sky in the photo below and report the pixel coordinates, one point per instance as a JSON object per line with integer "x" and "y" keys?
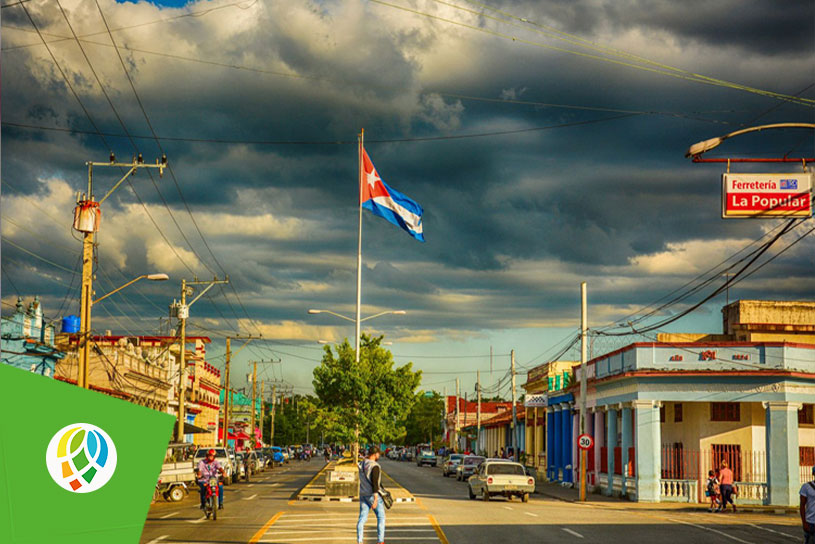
{"x": 545, "y": 141}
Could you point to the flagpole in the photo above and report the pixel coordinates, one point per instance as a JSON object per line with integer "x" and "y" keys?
{"x": 359, "y": 247}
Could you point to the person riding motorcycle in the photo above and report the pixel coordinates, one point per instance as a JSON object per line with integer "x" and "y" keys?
{"x": 208, "y": 468}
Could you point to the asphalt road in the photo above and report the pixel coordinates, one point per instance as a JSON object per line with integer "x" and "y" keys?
{"x": 264, "y": 510}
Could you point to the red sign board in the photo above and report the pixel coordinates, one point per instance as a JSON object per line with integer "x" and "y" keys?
{"x": 766, "y": 195}
{"x": 585, "y": 442}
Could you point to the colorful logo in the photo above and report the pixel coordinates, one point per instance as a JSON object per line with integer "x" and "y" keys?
{"x": 81, "y": 458}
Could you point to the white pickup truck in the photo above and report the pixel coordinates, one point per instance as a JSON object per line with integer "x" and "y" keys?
{"x": 500, "y": 478}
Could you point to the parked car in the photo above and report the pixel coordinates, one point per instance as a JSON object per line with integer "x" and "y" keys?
{"x": 222, "y": 456}
{"x": 426, "y": 457}
{"x": 450, "y": 463}
{"x": 505, "y": 478}
{"x": 468, "y": 466}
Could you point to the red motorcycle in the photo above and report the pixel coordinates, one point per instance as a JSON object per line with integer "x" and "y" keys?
{"x": 211, "y": 498}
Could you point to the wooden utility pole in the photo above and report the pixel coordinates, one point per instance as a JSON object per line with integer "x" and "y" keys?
{"x": 514, "y": 425}
{"x": 458, "y": 411}
{"x": 262, "y": 383}
{"x": 228, "y": 398}
{"x": 274, "y": 409}
{"x": 227, "y": 394}
{"x": 254, "y": 402}
{"x": 478, "y": 409}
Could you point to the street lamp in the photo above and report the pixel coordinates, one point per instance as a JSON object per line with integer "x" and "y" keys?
{"x": 345, "y": 317}
{"x": 699, "y": 148}
{"x": 85, "y": 326}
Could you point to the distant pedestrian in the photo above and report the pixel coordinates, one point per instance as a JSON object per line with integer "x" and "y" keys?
{"x": 370, "y": 479}
{"x": 807, "y": 509}
{"x": 712, "y": 491}
{"x": 502, "y": 453}
{"x": 726, "y": 486}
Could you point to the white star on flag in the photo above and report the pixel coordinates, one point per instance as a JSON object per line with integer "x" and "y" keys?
{"x": 372, "y": 177}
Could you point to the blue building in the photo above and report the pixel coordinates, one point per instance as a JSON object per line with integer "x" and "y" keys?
{"x": 27, "y": 342}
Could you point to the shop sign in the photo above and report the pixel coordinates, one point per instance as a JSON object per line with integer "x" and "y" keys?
{"x": 766, "y": 195}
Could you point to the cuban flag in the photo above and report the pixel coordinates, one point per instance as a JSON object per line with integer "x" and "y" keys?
{"x": 388, "y": 203}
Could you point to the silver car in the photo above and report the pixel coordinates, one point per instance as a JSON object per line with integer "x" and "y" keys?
{"x": 468, "y": 466}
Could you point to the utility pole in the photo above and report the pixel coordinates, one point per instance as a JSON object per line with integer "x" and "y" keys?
{"x": 514, "y": 425}
{"x": 254, "y": 402}
{"x": 228, "y": 397}
{"x": 274, "y": 409}
{"x": 262, "y": 383}
{"x": 183, "y": 312}
{"x": 458, "y": 412}
{"x": 478, "y": 409}
{"x": 584, "y": 415}
{"x": 87, "y": 216}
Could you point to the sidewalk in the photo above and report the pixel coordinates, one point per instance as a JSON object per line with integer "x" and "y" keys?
{"x": 569, "y": 494}
{"x": 315, "y": 489}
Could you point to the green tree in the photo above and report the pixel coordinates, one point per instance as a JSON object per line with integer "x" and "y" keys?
{"x": 371, "y": 397}
{"x": 423, "y": 423}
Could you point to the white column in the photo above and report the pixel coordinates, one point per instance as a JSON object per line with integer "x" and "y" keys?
{"x": 648, "y": 462}
{"x": 783, "y": 479}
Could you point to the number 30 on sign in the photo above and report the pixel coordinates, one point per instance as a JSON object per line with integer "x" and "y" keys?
{"x": 585, "y": 442}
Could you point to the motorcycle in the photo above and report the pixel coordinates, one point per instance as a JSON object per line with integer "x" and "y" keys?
{"x": 211, "y": 498}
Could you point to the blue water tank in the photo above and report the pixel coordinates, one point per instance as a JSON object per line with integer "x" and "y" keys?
{"x": 70, "y": 324}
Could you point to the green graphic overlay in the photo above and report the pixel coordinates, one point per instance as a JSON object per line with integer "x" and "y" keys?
{"x": 34, "y": 508}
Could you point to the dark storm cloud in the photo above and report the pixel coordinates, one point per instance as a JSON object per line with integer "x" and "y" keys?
{"x": 581, "y": 200}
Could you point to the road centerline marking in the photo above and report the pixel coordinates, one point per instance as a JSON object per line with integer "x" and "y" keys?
{"x": 531, "y": 514}
{"x": 171, "y": 514}
{"x": 573, "y": 533}
{"x": 258, "y": 535}
{"x": 439, "y": 533}
{"x": 250, "y": 498}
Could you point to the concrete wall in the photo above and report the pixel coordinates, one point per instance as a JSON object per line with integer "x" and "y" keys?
{"x": 698, "y": 432}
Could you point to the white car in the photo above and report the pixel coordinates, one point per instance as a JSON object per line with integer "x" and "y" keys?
{"x": 500, "y": 478}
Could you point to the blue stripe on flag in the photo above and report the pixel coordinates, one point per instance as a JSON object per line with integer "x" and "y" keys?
{"x": 392, "y": 216}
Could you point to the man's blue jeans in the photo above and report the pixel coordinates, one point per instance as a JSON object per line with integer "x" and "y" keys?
{"x": 365, "y": 504}
{"x": 204, "y": 493}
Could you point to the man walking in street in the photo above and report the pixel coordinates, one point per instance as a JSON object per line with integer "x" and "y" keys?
{"x": 726, "y": 487}
{"x": 807, "y": 509}
{"x": 370, "y": 479}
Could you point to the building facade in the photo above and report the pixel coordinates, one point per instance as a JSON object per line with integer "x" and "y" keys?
{"x": 27, "y": 341}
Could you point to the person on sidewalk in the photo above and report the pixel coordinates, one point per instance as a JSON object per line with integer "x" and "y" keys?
{"x": 726, "y": 487}
{"x": 370, "y": 479}
{"x": 712, "y": 491}
{"x": 807, "y": 509}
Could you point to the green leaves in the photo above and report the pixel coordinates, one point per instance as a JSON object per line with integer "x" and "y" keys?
{"x": 371, "y": 395}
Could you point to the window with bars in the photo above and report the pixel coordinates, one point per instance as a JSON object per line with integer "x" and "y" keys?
{"x": 725, "y": 411}
{"x": 806, "y": 456}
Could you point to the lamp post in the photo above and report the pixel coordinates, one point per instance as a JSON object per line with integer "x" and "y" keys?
{"x": 356, "y": 340}
{"x": 85, "y": 325}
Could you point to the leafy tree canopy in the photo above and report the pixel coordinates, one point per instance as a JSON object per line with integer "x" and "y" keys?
{"x": 370, "y": 395}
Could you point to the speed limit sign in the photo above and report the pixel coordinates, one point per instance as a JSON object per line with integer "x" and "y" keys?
{"x": 585, "y": 442}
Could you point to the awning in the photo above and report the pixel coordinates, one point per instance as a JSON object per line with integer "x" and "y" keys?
{"x": 189, "y": 428}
